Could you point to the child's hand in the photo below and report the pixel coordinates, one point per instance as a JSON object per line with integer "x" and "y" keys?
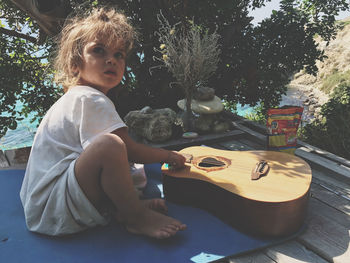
{"x": 176, "y": 160}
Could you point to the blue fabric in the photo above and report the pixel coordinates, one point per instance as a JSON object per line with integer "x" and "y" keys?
{"x": 206, "y": 237}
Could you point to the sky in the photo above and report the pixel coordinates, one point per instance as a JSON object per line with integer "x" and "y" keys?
{"x": 261, "y": 13}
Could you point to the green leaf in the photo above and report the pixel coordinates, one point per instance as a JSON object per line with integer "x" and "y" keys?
{"x": 13, "y": 125}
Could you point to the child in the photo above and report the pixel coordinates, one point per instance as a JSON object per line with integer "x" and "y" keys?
{"x": 80, "y": 157}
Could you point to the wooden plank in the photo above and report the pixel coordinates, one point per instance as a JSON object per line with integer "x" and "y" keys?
{"x": 293, "y": 252}
{"x": 327, "y": 233}
{"x": 340, "y": 191}
{"x": 326, "y": 154}
{"x": 253, "y": 144}
{"x": 215, "y": 145}
{"x": 18, "y": 156}
{"x": 3, "y": 161}
{"x": 248, "y": 123}
{"x": 318, "y": 208}
{"x": 332, "y": 198}
{"x": 255, "y": 126}
{"x": 257, "y": 257}
{"x": 320, "y": 177}
{"x": 254, "y": 135}
{"x": 235, "y": 145}
{"x": 327, "y": 164}
{"x": 202, "y": 139}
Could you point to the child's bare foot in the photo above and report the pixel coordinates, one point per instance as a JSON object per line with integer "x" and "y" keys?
{"x": 153, "y": 224}
{"x": 156, "y": 204}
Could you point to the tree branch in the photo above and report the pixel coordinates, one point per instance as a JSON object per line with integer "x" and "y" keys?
{"x": 14, "y": 33}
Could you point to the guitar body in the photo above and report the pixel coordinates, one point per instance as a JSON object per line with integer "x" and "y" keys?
{"x": 273, "y": 205}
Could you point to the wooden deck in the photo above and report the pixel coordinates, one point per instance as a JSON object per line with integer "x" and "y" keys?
{"x": 327, "y": 236}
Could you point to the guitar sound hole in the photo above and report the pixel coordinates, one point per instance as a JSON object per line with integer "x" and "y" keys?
{"x": 211, "y": 162}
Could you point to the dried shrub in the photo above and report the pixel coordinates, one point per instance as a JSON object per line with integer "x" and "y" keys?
{"x": 191, "y": 54}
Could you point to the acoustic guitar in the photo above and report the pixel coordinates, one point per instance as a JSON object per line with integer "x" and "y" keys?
{"x": 262, "y": 192}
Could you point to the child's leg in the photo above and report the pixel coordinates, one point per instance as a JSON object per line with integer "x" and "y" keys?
{"x": 103, "y": 169}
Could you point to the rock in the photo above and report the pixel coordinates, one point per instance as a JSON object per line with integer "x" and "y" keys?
{"x": 203, "y": 107}
{"x": 212, "y": 123}
{"x": 204, "y": 94}
{"x": 306, "y": 102}
{"x": 203, "y": 123}
{"x": 221, "y": 126}
{"x": 207, "y": 123}
{"x": 313, "y": 101}
{"x": 158, "y": 129}
{"x": 312, "y": 108}
{"x": 154, "y": 125}
{"x": 146, "y": 109}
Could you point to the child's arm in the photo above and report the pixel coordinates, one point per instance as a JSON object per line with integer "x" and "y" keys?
{"x": 141, "y": 153}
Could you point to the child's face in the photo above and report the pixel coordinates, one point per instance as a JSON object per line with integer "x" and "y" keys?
{"x": 103, "y": 66}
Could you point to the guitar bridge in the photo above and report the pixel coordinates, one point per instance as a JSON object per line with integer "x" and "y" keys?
{"x": 261, "y": 169}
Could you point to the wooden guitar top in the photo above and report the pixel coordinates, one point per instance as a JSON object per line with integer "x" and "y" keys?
{"x": 289, "y": 177}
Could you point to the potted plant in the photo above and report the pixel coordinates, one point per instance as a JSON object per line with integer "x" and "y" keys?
{"x": 191, "y": 54}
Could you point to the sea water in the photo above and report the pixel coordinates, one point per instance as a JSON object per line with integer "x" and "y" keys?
{"x": 23, "y": 135}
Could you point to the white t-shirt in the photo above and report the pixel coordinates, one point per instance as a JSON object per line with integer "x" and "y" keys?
{"x": 52, "y": 199}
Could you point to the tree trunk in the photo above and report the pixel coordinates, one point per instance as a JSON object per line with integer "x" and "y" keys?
{"x": 49, "y": 14}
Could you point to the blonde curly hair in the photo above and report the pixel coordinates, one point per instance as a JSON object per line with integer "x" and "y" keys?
{"x": 102, "y": 23}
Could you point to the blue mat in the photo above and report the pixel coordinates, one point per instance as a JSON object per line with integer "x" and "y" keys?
{"x": 205, "y": 239}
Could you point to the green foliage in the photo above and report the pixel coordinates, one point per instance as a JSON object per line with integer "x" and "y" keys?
{"x": 256, "y": 61}
{"x": 334, "y": 79}
{"x": 230, "y": 106}
{"x": 332, "y": 132}
{"x": 24, "y": 75}
{"x": 344, "y": 23}
{"x": 258, "y": 115}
